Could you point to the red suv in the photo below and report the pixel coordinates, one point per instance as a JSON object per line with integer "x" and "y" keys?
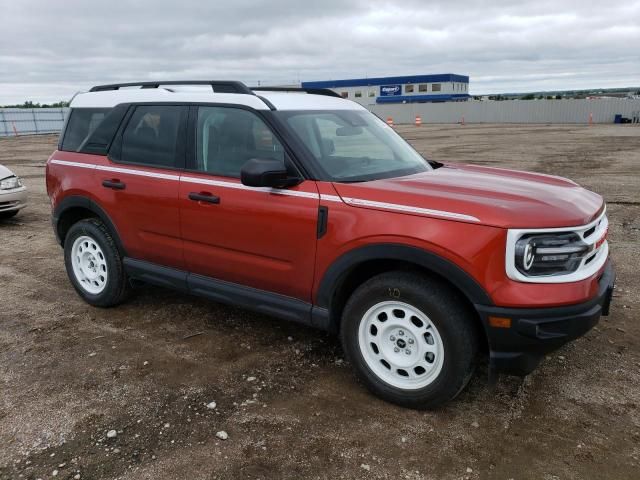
{"x": 302, "y": 205}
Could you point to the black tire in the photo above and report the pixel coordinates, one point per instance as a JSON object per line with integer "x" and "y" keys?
{"x": 448, "y": 312}
{"x": 5, "y": 215}
{"x": 117, "y": 285}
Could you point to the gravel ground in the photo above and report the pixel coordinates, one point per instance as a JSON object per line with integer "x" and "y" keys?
{"x": 126, "y": 392}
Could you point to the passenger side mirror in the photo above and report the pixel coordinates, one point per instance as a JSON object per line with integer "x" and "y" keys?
{"x": 264, "y": 172}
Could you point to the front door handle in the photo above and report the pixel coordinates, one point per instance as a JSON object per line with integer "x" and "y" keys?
{"x": 114, "y": 183}
{"x": 204, "y": 197}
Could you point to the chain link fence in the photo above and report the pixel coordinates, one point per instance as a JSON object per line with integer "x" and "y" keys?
{"x": 31, "y": 121}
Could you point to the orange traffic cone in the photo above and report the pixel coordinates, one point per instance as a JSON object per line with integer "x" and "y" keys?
{"x": 418, "y": 121}
{"x": 390, "y": 121}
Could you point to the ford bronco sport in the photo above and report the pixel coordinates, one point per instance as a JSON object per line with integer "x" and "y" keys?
{"x": 302, "y": 205}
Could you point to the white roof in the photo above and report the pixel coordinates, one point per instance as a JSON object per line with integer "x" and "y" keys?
{"x": 281, "y": 100}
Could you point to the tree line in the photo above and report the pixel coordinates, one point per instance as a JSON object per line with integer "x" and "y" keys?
{"x": 30, "y": 104}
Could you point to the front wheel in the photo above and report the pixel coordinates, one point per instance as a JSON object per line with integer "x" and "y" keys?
{"x": 411, "y": 340}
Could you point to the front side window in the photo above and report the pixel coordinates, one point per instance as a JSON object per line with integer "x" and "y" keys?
{"x": 358, "y": 94}
{"x": 436, "y": 87}
{"x": 228, "y": 137}
{"x": 151, "y": 136}
{"x": 354, "y": 145}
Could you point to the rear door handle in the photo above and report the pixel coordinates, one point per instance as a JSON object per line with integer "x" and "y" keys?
{"x": 115, "y": 184}
{"x": 204, "y": 197}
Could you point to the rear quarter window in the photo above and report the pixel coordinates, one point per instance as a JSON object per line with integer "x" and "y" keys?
{"x": 81, "y": 124}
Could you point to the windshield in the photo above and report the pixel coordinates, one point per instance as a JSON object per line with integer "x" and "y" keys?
{"x": 353, "y": 145}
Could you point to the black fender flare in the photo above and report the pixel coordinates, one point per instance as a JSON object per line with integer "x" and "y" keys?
{"x": 78, "y": 201}
{"x": 340, "y": 268}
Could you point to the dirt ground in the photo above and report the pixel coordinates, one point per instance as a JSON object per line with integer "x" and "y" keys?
{"x": 70, "y": 373}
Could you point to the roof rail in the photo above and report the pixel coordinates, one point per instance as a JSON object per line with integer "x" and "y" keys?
{"x": 313, "y": 91}
{"x": 218, "y": 86}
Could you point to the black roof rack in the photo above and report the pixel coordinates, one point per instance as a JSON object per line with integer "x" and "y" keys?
{"x": 314, "y": 91}
{"x": 218, "y": 86}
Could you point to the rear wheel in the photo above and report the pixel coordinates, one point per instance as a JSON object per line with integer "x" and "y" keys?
{"x": 94, "y": 264}
{"x": 410, "y": 339}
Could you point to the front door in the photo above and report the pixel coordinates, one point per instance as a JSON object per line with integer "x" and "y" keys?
{"x": 256, "y": 237}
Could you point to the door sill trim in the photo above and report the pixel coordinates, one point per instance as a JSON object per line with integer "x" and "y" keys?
{"x": 261, "y": 301}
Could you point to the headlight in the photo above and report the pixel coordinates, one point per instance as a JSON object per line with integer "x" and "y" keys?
{"x": 9, "y": 183}
{"x": 557, "y": 255}
{"x": 549, "y": 254}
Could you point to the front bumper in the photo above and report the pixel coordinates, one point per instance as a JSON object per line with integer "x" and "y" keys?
{"x": 534, "y": 332}
{"x": 14, "y": 199}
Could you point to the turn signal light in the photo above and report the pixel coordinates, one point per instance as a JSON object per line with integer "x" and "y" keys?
{"x": 500, "y": 322}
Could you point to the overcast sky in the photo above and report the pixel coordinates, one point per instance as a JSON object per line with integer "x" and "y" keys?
{"x": 51, "y": 49}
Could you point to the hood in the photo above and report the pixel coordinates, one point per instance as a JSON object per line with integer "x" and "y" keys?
{"x": 489, "y": 196}
{"x": 5, "y": 172}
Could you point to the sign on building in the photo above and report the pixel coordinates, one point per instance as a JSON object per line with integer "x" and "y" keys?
{"x": 390, "y": 90}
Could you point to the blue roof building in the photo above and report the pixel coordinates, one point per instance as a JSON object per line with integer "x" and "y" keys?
{"x": 444, "y": 87}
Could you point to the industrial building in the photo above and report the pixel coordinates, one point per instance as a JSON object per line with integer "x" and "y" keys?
{"x": 445, "y": 87}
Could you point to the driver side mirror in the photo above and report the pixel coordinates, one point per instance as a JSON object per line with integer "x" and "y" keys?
{"x": 264, "y": 172}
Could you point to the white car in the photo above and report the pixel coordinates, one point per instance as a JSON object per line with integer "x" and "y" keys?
{"x": 13, "y": 194}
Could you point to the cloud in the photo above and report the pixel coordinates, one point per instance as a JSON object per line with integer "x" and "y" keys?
{"x": 52, "y": 49}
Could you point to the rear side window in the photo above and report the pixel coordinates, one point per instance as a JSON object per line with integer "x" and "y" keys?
{"x": 152, "y": 136}
{"x": 82, "y": 123}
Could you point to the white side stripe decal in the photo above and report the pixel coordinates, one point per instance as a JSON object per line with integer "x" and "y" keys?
{"x": 74, "y": 164}
{"x": 330, "y": 198}
{"x": 239, "y": 186}
{"x": 407, "y": 208}
{"x": 289, "y": 193}
{"x": 140, "y": 173}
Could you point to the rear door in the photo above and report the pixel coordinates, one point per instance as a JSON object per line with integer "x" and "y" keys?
{"x": 139, "y": 182}
{"x": 257, "y": 237}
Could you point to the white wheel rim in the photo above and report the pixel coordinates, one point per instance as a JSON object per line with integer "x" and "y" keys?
{"x": 89, "y": 264}
{"x": 401, "y": 345}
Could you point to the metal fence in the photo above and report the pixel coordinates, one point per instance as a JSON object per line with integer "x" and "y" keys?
{"x": 513, "y": 111}
{"x": 31, "y": 121}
